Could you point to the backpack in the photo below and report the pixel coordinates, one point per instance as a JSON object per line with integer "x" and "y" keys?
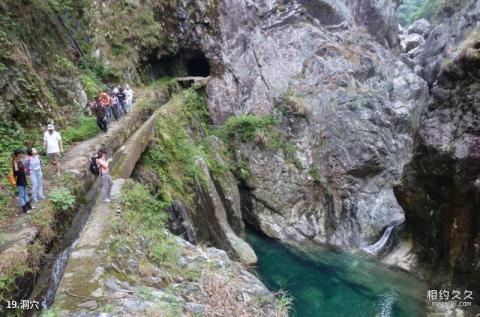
{"x": 94, "y": 167}
{"x": 11, "y": 178}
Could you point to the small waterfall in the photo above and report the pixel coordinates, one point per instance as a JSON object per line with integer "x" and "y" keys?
{"x": 378, "y": 246}
{"x": 57, "y": 272}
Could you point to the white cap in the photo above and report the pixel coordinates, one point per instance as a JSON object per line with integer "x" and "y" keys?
{"x": 115, "y": 90}
{"x": 50, "y": 127}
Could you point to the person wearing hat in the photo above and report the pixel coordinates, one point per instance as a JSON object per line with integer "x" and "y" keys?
{"x": 52, "y": 142}
{"x": 115, "y": 104}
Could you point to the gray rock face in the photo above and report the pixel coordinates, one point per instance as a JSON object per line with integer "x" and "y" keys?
{"x": 359, "y": 102}
{"x": 421, "y": 27}
{"x": 456, "y": 21}
{"x": 412, "y": 41}
{"x": 378, "y": 17}
{"x": 440, "y": 189}
{"x": 211, "y": 208}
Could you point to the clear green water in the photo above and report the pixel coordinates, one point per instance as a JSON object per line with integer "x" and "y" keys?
{"x": 337, "y": 284}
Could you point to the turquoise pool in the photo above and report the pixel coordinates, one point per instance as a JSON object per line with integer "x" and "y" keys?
{"x": 335, "y": 284}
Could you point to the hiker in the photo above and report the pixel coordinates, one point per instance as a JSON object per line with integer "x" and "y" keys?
{"x": 52, "y": 142}
{"x": 114, "y": 104}
{"x": 106, "y": 102}
{"x": 34, "y": 167}
{"x": 128, "y": 98}
{"x": 121, "y": 100}
{"x": 100, "y": 112}
{"x": 21, "y": 180}
{"x": 107, "y": 182}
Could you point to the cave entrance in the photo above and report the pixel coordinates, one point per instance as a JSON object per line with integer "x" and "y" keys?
{"x": 187, "y": 62}
{"x": 198, "y": 66}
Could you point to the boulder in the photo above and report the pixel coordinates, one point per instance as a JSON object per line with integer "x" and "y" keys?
{"x": 412, "y": 41}
{"x": 421, "y": 27}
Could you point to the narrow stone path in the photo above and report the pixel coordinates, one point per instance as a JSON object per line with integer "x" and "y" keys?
{"x": 21, "y": 232}
{"x": 83, "y": 276}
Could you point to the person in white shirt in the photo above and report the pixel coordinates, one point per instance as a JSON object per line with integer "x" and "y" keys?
{"x": 52, "y": 142}
{"x": 128, "y": 98}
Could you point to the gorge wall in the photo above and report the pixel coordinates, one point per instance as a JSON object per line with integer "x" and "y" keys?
{"x": 440, "y": 188}
{"x": 346, "y": 104}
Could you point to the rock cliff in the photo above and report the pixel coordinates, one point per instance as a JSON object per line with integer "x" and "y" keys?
{"x": 346, "y": 104}
{"x": 440, "y": 187}
{"x": 454, "y": 23}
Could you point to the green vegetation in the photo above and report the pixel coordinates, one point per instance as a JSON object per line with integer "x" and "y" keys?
{"x": 7, "y": 279}
{"x": 62, "y": 198}
{"x": 143, "y": 34}
{"x": 315, "y": 174}
{"x": 64, "y": 66}
{"x": 183, "y": 136}
{"x": 35, "y": 60}
{"x": 83, "y": 129}
{"x": 49, "y": 313}
{"x": 246, "y": 127}
{"x": 294, "y": 104}
{"x": 144, "y": 218}
{"x": 44, "y": 220}
{"x": 283, "y": 303}
{"x": 95, "y": 74}
{"x": 411, "y": 10}
{"x": 174, "y": 153}
{"x": 91, "y": 85}
{"x": 262, "y": 130}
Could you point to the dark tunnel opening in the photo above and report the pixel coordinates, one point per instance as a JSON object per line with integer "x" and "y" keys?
{"x": 187, "y": 62}
{"x": 198, "y": 66}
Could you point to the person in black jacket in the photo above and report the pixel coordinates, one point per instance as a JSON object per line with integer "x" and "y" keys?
{"x": 121, "y": 100}
{"x": 21, "y": 180}
{"x": 100, "y": 112}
